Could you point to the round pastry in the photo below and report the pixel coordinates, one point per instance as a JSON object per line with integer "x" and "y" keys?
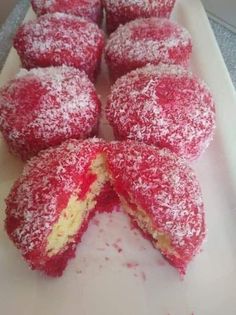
{"x": 143, "y": 41}
{"x": 91, "y": 9}
{"x": 45, "y": 106}
{"x": 162, "y": 196}
{"x": 166, "y": 106}
{"x": 50, "y": 205}
{"x": 122, "y": 11}
{"x": 57, "y": 39}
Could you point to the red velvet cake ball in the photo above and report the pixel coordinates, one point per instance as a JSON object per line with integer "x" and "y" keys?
{"x": 50, "y": 205}
{"x": 91, "y": 9}
{"x": 43, "y": 107}
{"x": 162, "y": 196}
{"x": 143, "y": 41}
{"x": 166, "y": 106}
{"x": 57, "y": 39}
{"x": 122, "y": 11}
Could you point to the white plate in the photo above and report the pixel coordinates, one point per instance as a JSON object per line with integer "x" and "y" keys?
{"x": 116, "y": 271}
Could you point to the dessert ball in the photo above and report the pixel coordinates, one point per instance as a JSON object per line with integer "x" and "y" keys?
{"x": 143, "y": 41}
{"x": 91, "y": 9}
{"x": 43, "y": 107}
{"x": 165, "y": 106}
{"x": 50, "y": 205}
{"x": 122, "y": 11}
{"x": 162, "y": 196}
{"x": 60, "y": 39}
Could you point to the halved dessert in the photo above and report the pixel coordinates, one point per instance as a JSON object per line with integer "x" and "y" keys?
{"x": 162, "y": 196}
{"x": 50, "y": 206}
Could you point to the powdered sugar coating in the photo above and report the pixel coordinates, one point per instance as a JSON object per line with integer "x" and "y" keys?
{"x": 143, "y": 41}
{"x": 43, "y": 191}
{"x": 57, "y": 39}
{"x": 163, "y": 105}
{"x": 122, "y": 11}
{"x": 45, "y": 106}
{"x": 166, "y": 189}
{"x": 91, "y": 9}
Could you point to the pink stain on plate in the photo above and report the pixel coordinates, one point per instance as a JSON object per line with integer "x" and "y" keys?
{"x": 142, "y": 248}
{"x": 143, "y": 275}
{"x": 131, "y": 264}
{"x": 132, "y": 226}
{"x": 161, "y": 262}
{"x": 100, "y": 249}
{"x": 96, "y": 222}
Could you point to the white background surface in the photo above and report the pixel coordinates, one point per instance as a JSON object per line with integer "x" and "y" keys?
{"x": 224, "y": 10}
{"x": 5, "y": 8}
{"x": 136, "y": 280}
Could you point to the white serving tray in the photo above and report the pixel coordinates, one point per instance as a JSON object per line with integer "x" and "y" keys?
{"x": 116, "y": 271}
